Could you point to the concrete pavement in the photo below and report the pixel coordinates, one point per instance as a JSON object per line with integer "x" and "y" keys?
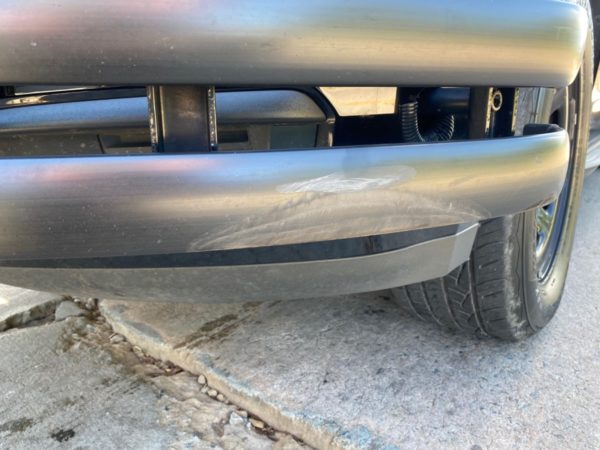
{"x": 68, "y": 381}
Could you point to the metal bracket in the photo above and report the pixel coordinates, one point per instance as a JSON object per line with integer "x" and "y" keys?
{"x": 183, "y": 119}
{"x": 492, "y": 112}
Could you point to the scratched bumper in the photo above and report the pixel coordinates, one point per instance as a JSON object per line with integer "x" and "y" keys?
{"x": 117, "y": 206}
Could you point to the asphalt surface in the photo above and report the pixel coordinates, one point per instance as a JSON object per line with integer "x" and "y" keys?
{"x": 346, "y": 372}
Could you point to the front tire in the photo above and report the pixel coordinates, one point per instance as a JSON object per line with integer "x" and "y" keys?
{"x": 509, "y": 288}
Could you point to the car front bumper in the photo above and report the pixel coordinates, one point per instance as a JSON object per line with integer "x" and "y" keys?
{"x": 128, "y": 226}
{"x": 296, "y": 42}
{"x": 131, "y": 226}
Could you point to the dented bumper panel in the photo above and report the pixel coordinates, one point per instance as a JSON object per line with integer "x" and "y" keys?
{"x": 84, "y": 207}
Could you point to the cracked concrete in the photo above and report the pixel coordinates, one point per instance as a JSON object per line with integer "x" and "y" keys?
{"x": 74, "y": 383}
{"x": 21, "y": 306}
{"x": 54, "y": 398}
{"x": 354, "y": 372}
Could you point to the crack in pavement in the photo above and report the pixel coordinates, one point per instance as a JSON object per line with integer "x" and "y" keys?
{"x": 189, "y": 412}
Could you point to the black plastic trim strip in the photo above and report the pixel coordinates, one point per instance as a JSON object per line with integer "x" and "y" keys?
{"x": 313, "y": 251}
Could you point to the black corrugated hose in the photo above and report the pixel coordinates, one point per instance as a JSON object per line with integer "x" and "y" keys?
{"x": 443, "y": 130}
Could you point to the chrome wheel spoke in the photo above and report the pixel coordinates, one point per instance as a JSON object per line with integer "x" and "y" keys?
{"x": 545, "y": 223}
